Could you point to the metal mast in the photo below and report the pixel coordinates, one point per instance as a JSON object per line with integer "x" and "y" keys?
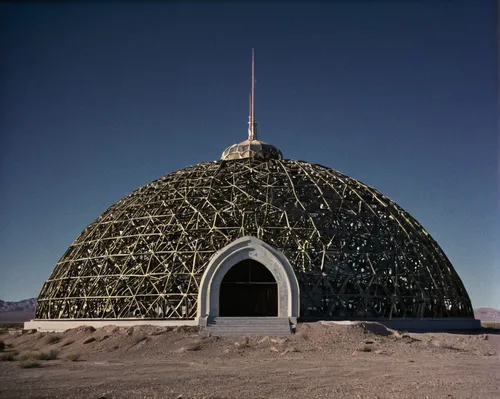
{"x": 252, "y": 128}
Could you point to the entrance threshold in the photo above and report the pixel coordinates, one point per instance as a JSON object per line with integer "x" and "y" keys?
{"x": 241, "y": 326}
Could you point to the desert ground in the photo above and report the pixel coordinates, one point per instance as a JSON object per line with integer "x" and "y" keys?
{"x": 319, "y": 361}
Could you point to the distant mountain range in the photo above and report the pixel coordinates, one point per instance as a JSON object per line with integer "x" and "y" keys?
{"x": 487, "y": 314}
{"x": 17, "y": 311}
{"x": 20, "y": 306}
{"x": 25, "y": 310}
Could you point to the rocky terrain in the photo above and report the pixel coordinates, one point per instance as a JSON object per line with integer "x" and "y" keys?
{"x": 320, "y": 361}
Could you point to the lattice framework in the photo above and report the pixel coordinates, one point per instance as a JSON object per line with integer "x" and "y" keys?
{"x": 355, "y": 252}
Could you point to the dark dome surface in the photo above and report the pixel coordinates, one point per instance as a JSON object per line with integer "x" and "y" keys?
{"x": 356, "y": 253}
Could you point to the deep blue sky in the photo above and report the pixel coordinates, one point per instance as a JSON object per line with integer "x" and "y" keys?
{"x": 99, "y": 99}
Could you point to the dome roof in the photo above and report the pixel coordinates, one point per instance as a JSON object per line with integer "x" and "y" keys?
{"x": 355, "y": 252}
{"x": 251, "y": 148}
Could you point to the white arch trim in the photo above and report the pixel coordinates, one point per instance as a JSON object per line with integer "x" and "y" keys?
{"x": 248, "y": 248}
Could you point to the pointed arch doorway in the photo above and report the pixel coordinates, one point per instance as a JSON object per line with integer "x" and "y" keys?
{"x": 253, "y": 264}
{"x": 248, "y": 289}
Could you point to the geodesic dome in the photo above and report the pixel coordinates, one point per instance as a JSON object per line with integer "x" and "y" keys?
{"x": 356, "y": 254}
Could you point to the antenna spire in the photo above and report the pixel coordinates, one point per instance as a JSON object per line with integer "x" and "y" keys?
{"x": 252, "y": 148}
{"x": 252, "y": 130}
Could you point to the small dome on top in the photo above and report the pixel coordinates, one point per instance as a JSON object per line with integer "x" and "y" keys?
{"x": 251, "y": 149}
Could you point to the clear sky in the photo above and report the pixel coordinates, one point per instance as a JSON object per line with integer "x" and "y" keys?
{"x": 99, "y": 99}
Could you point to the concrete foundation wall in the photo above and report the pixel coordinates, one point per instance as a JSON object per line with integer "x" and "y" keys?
{"x": 411, "y": 325}
{"x": 63, "y": 325}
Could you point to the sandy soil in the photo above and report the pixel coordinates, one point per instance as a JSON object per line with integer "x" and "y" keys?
{"x": 320, "y": 361}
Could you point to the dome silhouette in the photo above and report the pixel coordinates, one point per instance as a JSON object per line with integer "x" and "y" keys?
{"x": 356, "y": 254}
{"x": 253, "y": 235}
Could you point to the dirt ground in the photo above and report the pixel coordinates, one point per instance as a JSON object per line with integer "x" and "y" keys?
{"x": 319, "y": 361}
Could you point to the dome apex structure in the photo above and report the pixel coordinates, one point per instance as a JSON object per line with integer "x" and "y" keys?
{"x": 254, "y": 235}
{"x": 252, "y": 147}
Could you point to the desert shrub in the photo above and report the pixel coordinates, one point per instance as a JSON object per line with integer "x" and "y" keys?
{"x": 73, "y": 357}
{"x": 51, "y": 355}
{"x": 2, "y": 345}
{"x": 245, "y": 343}
{"x": 53, "y": 339}
{"x": 365, "y": 348}
{"x": 28, "y": 355}
{"x": 33, "y": 355}
{"x": 29, "y": 364}
{"x": 66, "y": 343}
{"x": 7, "y": 357}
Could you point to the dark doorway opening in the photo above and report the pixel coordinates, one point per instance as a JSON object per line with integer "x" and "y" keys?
{"x": 248, "y": 289}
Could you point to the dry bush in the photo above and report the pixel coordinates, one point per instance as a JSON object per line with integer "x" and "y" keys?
{"x": 365, "y": 348}
{"x": 29, "y": 355}
{"x": 244, "y": 343}
{"x": 29, "y": 364}
{"x": 2, "y": 345}
{"x": 52, "y": 339}
{"x": 34, "y": 355}
{"x": 7, "y": 357}
{"x": 51, "y": 355}
{"x": 73, "y": 357}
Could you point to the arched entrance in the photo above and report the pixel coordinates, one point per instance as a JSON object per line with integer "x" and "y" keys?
{"x": 248, "y": 289}
{"x": 235, "y": 255}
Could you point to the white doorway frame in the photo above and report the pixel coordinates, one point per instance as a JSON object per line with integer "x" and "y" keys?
{"x": 255, "y": 249}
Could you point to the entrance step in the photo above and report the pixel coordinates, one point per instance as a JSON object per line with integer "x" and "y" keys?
{"x": 238, "y": 326}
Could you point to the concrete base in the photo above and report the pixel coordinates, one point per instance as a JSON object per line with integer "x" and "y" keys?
{"x": 410, "y": 325}
{"x": 63, "y": 325}
{"x": 419, "y": 325}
